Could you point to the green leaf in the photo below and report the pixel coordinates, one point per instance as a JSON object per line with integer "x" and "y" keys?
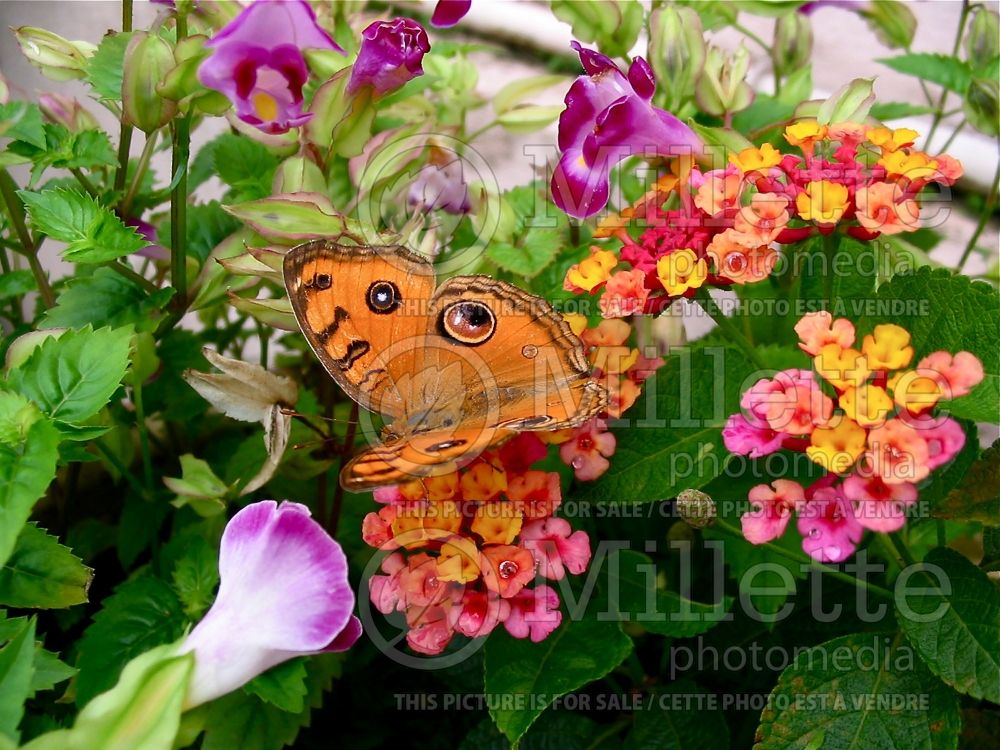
{"x": 16, "y": 283}
{"x": 141, "y": 614}
{"x": 244, "y": 165}
{"x": 196, "y": 575}
{"x": 578, "y": 652}
{"x": 673, "y": 439}
{"x": 105, "y": 68}
{"x": 953, "y": 623}
{"x": 830, "y": 697}
{"x": 72, "y": 377}
{"x": 106, "y": 298}
{"x": 50, "y": 670}
{"x": 16, "y": 668}
{"x": 22, "y": 121}
{"x": 660, "y": 726}
{"x": 977, "y": 496}
{"x": 283, "y": 686}
{"x": 896, "y": 110}
{"x": 942, "y": 310}
{"x": 43, "y": 574}
{"x": 93, "y": 233}
{"x": 944, "y": 70}
{"x": 26, "y": 469}
{"x": 893, "y": 23}
{"x": 535, "y": 251}
{"x": 521, "y": 89}
{"x": 945, "y": 479}
{"x": 207, "y": 226}
{"x": 642, "y": 601}
{"x": 63, "y": 148}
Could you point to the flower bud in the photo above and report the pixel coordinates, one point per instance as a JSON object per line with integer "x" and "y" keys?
{"x": 722, "y": 87}
{"x": 696, "y": 508}
{"x": 59, "y": 59}
{"x": 391, "y": 54}
{"x": 298, "y": 174}
{"x": 148, "y": 59}
{"x": 981, "y": 106}
{"x": 67, "y": 111}
{"x": 982, "y": 42}
{"x": 793, "y": 41}
{"x": 676, "y": 52}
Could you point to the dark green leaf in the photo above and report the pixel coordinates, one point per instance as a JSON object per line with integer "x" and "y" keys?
{"x": 22, "y": 121}
{"x": 16, "y": 668}
{"x": 141, "y": 614}
{"x": 72, "y": 377}
{"x": 944, "y": 70}
{"x": 16, "y": 283}
{"x": 940, "y": 493}
{"x": 283, "y": 686}
{"x": 93, "y": 233}
{"x": 578, "y": 652}
{"x": 858, "y": 693}
{"x": 105, "y": 66}
{"x": 245, "y": 165}
{"x": 26, "y": 469}
{"x": 43, "y": 574}
{"x": 195, "y": 577}
{"x": 106, "y": 298}
{"x": 977, "y": 496}
{"x": 50, "y": 670}
{"x": 673, "y": 440}
{"x": 952, "y": 616}
{"x": 675, "y": 718}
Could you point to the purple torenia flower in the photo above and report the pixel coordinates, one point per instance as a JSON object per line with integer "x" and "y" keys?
{"x": 257, "y": 62}
{"x": 609, "y": 117}
{"x": 391, "y": 54}
{"x": 283, "y": 592}
{"x": 449, "y": 12}
{"x": 441, "y": 186}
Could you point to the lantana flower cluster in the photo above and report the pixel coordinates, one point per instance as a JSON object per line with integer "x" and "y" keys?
{"x": 866, "y": 416}
{"x": 724, "y": 227}
{"x": 468, "y": 545}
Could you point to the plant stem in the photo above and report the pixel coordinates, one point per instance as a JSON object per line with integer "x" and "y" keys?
{"x": 121, "y": 468}
{"x": 132, "y": 275}
{"x": 140, "y": 170}
{"x": 82, "y": 179}
{"x": 262, "y": 334}
{"x": 125, "y": 131}
{"x": 802, "y": 558}
{"x": 951, "y": 138}
{"x": 178, "y": 213}
{"x": 338, "y": 492}
{"x": 830, "y": 244}
{"x": 984, "y": 217}
{"x": 15, "y": 211}
{"x": 728, "y": 328}
{"x": 939, "y": 113}
{"x": 140, "y": 423}
{"x": 901, "y": 549}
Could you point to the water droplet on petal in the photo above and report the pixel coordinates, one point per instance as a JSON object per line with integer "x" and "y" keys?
{"x": 508, "y": 569}
{"x": 577, "y": 462}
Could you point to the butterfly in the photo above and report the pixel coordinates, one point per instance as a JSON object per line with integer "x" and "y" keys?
{"x": 453, "y": 369}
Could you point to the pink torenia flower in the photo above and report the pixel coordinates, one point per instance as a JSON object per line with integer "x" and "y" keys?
{"x": 587, "y": 451}
{"x": 957, "y": 373}
{"x": 534, "y": 613}
{"x": 609, "y": 117}
{"x": 257, "y": 62}
{"x": 283, "y": 592}
{"x": 555, "y": 548}
{"x": 391, "y": 54}
{"x": 747, "y": 439}
{"x": 449, "y": 12}
{"x": 879, "y": 506}
{"x": 772, "y": 509}
{"x": 830, "y": 532}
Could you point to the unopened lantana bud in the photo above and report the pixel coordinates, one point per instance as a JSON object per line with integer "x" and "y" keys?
{"x": 59, "y": 59}
{"x": 793, "y": 41}
{"x": 722, "y": 87}
{"x": 148, "y": 59}
{"x": 676, "y": 53}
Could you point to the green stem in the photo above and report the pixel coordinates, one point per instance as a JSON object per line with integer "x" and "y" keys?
{"x": 120, "y": 468}
{"x": 728, "y": 328}
{"x": 939, "y": 113}
{"x": 132, "y": 275}
{"x": 178, "y": 211}
{"x": 830, "y": 244}
{"x": 475, "y": 134}
{"x": 984, "y": 217}
{"x": 901, "y": 549}
{"x": 125, "y": 131}
{"x": 82, "y": 179}
{"x": 338, "y": 492}
{"x": 15, "y": 211}
{"x": 262, "y": 334}
{"x": 750, "y": 35}
{"x": 802, "y": 558}
{"x": 951, "y": 138}
{"x": 140, "y": 423}
{"x": 140, "y": 170}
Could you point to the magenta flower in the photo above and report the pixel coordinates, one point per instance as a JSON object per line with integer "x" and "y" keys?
{"x": 771, "y": 509}
{"x": 879, "y": 506}
{"x": 609, "y": 117}
{"x": 555, "y": 548}
{"x": 748, "y": 439}
{"x": 283, "y": 592}
{"x": 829, "y": 530}
{"x": 257, "y": 62}
{"x": 391, "y": 54}
{"x": 534, "y": 613}
{"x": 449, "y": 12}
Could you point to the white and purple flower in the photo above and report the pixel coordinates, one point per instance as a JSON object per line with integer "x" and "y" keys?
{"x": 257, "y": 62}
{"x": 283, "y": 593}
{"x": 391, "y": 54}
{"x": 609, "y": 117}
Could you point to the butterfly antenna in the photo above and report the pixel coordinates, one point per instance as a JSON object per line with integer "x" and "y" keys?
{"x": 304, "y": 418}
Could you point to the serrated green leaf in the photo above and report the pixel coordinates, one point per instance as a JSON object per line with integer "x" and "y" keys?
{"x": 16, "y": 283}
{"x": 245, "y": 165}
{"x": 22, "y": 121}
{"x": 72, "y": 377}
{"x": 952, "y": 616}
{"x": 50, "y": 670}
{"x": 283, "y": 686}
{"x": 16, "y": 669}
{"x": 43, "y": 574}
{"x": 944, "y": 70}
{"x": 196, "y": 575}
{"x": 26, "y": 469}
{"x": 672, "y": 440}
{"x": 17, "y": 414}
{"x": 660, "y": 726}
{"x": 105, "y": 298}
{"x": 105, "y": 68}
{"x": 977, "y": 496}
{"x": 576, "y": 653}
{"x": 93, "y": 233}
{"x": 141, "y": 614}
{"x": 532, "y": 255}
{"x": 830, "y": 701}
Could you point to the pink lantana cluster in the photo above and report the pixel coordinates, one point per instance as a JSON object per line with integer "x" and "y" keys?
{"x": 865, "y": 417}
{"x": 724, "y": 226}
{"x": 468, "y": 545}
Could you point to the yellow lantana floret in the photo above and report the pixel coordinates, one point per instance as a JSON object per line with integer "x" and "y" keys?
{"x": 868, "y": 405}
{"x": 842, "y": 368}
{"x": 887, "y": 347}
{"x": 823, "y": 202}
{"x": 680, "y": 271}
{"x": 837, "y": 446}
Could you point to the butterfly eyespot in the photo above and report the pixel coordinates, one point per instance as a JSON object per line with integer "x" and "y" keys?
{"x": 322, "y": 281}
{"x": 468, "y": 322}
{"x": 383, "y": 297}
{"x": 530, "y": 351}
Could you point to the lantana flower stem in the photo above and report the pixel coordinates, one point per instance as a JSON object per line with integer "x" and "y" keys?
{"x": 728, "y": 328}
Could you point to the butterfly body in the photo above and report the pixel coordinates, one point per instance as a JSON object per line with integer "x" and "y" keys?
{"x": 454, "y": 369}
